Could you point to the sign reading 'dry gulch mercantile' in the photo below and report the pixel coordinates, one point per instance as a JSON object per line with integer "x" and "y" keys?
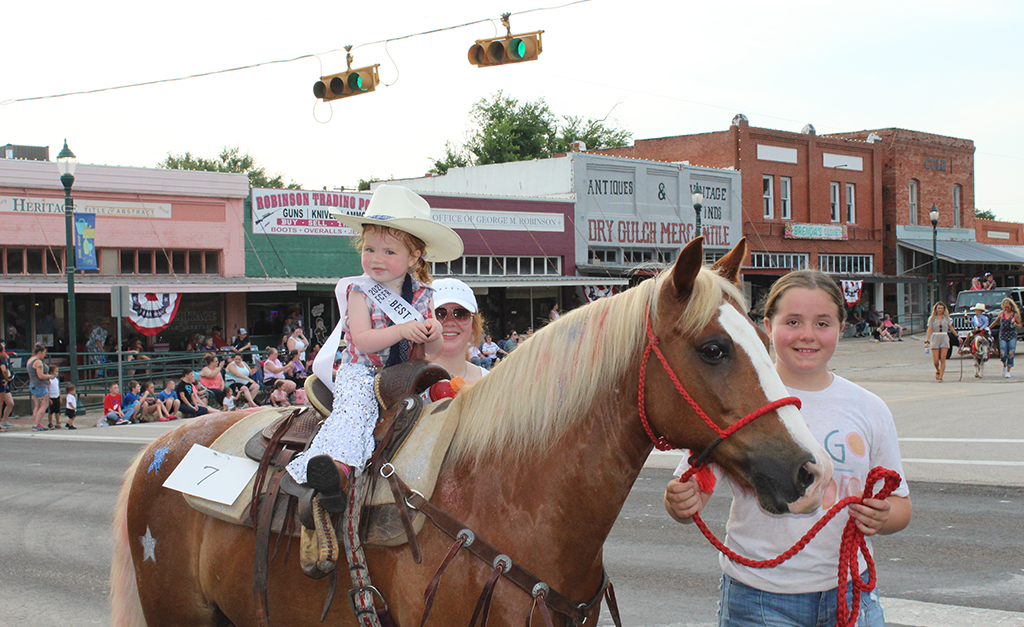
{"x": 801, "y": 230}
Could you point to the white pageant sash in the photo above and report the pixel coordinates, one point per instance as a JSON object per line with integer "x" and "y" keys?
{"x": 396, "y": 308}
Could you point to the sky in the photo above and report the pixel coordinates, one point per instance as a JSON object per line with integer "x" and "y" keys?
{"x": 654, "y": 68}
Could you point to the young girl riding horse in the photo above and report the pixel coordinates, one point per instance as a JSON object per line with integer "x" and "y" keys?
{"x": 383, "y": 312}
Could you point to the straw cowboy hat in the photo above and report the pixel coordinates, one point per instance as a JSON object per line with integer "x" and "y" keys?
{"x": 401, "y": 208}
{"x": 979, "y": 307}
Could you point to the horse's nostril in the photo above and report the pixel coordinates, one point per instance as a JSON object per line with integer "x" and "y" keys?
{"x": 804, "y": 477}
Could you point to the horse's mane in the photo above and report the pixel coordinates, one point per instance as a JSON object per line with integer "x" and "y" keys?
{"x": 550, "y": 382}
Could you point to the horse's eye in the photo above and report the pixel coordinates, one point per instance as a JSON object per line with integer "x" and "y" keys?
{"x": 713, "y": 352}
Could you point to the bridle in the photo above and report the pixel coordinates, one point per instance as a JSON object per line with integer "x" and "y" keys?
{"x": 663, "y": 444}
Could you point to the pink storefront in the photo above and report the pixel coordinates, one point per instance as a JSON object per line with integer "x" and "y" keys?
{"x": 156, "y": 231}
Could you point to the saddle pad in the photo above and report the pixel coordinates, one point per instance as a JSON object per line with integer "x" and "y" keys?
{"x": 232, "y": 442}
{"x": 418, "y": 460}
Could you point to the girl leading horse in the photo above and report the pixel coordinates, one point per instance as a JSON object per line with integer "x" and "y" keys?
{"x": 546, "y": 450}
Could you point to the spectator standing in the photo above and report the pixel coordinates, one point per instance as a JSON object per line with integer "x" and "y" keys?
{"x": 96, "y": 344}
{"x": 989, "y": 283}
{"x": 554, "y": 314}
{"x": 976, "y": 284}
{"x": 297, "y": 342}
{"x": 939, "y": 324}
{"x": 38, "y": 386}
{"x": 54, "y": 387}
{"x": 169, "y": 399}
{"x": 6, "y": 400}
{"x": 70, "y": 407}
{"x": 191, "y": 405}
{"x": 1006, "y": 334}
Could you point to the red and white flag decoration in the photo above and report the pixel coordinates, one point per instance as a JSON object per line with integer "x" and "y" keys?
{"x": 152, "y": 313}
{"x": 851, "y": 292}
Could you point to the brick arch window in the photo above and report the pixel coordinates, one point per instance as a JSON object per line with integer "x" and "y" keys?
{"x": 914, "y": 190}
{"x": 958, "y": 195}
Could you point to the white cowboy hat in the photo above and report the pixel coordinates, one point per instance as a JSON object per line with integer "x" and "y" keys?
{"x": 980, "y": 306}
{"x": 454, "y": 291}
{"x": 401, "y": 208}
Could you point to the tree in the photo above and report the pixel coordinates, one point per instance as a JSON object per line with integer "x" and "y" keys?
{"x": 984, "y": 215}
{"x": 364, "y": 184}
{"x": 508, "y": 130}
{"x": 229, "y": 160}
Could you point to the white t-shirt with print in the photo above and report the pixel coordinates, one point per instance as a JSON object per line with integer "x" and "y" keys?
{"x": 857, "y": 430}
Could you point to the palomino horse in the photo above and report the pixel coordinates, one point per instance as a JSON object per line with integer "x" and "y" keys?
{"x": 546, "y": 451}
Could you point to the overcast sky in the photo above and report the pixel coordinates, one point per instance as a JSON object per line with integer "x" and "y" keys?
{"x": 655, "y": 68}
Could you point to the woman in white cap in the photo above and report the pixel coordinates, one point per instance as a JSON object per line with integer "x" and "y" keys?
{"x": 383, "y": 312}
{"x": 462, "y": 327}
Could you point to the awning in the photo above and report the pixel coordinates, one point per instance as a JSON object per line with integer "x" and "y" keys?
{"x": 963, "y": 252}
{"x": 57, "y": 284}
{"x": 494, "y": 281}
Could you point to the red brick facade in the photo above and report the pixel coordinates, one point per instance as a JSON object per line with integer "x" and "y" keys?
{"x": 811, "y": 164}
{"x": 998, "y": 233}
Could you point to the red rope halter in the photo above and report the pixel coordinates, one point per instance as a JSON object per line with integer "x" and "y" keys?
{"x": 853, "y": 539}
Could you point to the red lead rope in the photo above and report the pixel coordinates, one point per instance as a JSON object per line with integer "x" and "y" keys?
{"x": 852, "y": 542}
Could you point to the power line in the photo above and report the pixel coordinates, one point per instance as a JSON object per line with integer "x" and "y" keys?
{"x": 275, "y": 62}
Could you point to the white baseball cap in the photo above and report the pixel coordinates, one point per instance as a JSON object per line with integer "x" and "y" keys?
{"x": 454, "y": 291}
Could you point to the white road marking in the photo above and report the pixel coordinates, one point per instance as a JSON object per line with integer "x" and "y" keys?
{"x": 921, "y": 614}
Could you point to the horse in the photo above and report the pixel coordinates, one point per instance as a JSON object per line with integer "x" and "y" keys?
{"x": 981, "y": 345}
{"x": 547, "y": 448}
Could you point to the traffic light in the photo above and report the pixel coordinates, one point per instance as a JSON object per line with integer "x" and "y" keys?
{"x": 507, "y": 49}
{"x": 348, "y": 83}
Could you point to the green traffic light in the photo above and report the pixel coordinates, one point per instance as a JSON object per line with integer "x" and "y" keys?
{"x": 518, "y": 49}
{"x": 355, "y": 82}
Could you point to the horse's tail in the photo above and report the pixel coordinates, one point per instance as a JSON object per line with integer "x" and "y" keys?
{"x": 125, "y": 606}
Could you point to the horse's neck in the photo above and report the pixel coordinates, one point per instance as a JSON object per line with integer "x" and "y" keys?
{"x": 556, "y": 507}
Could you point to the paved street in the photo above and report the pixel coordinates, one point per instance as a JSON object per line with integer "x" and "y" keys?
{"x": 958, "y": 562}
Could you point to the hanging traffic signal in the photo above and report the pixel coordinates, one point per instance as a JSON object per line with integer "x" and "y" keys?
{"x": 507, "y": 49}
{"x": 348, "y": 83}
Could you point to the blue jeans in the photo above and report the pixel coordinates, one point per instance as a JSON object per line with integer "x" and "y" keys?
{"x": 1005, "y": 348}
{"x": 743, "y": 606}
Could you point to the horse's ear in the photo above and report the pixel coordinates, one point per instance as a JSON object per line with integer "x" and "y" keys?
{"x": 687, "y": 265}
{"x": 729, "y": 265}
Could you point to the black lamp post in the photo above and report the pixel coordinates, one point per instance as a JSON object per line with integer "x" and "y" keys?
{"x": 934, "y": 215}
{"x": 66, "y": 163}
{"x": 698, "y": 204}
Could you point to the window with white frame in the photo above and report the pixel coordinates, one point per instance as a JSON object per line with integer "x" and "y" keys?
{"x": 957, "y": 195}
{"x": 780, "y": 261}
{"x": 834, "y": 195}
{"x": 851, "y": 203}
{"x": 845, "y": 264}
{"x": 769, "y": 205}
{"x": 483, "y": 265}
{"x": 785, "y": 197}
{"x": 913, "y": 200}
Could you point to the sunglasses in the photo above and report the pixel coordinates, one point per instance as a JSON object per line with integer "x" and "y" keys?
{"x": 459, "y": 314}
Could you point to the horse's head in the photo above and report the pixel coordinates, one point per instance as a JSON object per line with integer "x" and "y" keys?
{"x": 711, "y": 344}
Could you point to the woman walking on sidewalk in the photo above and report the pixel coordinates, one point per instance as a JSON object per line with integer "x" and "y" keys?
{"x": 938, "y": 339}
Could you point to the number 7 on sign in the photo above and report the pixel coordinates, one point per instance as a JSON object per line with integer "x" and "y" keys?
{"x": 214, "y": 471}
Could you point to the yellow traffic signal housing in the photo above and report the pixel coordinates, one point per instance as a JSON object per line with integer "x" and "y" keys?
{"x": 348, "y": 83}
{"x": 508, "y": 49}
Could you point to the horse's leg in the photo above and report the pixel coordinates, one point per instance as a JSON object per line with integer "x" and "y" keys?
{"x": 166, "y": 535}
{"x": 125, "y": 608}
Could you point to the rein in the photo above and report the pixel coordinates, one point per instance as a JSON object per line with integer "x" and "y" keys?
{"x": 853, "y": 541}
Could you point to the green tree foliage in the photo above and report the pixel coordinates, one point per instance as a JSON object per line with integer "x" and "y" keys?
{"x": 510, "y": 130}
{"x": 364, "y": 184}
{"x": 229, "y": 160}
{"x": 984, "y": 215}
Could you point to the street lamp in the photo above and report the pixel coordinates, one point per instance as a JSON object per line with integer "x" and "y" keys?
{"x": 698, "y": 204}
{"x": 934, "y": 215}
{"x": 66, "y": 163}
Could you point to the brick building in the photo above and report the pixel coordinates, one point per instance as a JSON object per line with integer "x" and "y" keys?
{"x": 807, "y": 200}
{"x": 921, "y": 171}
